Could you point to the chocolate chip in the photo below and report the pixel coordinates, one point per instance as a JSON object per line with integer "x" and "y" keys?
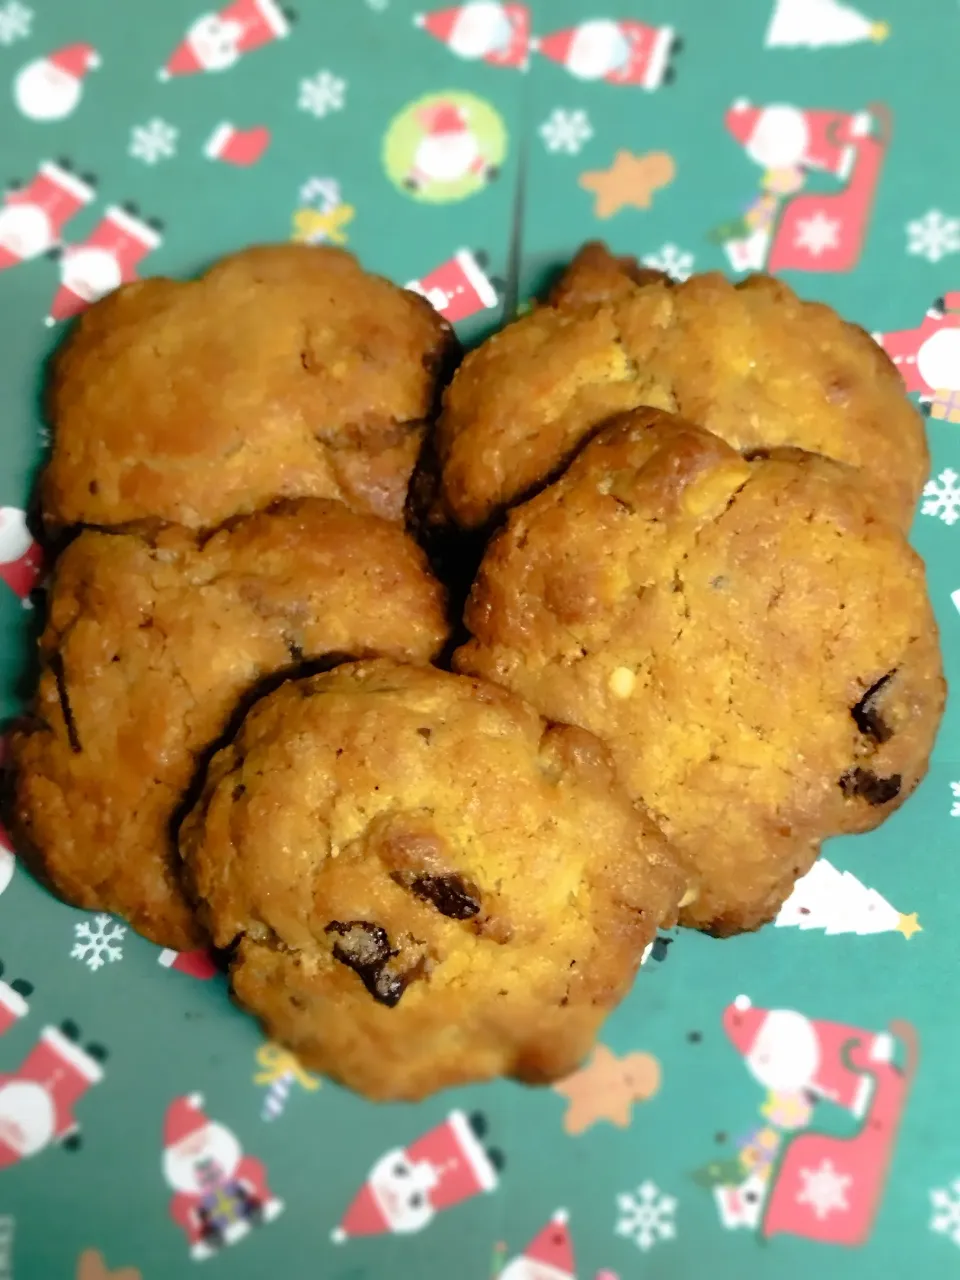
{"x": 865, "y": 785}
{"x": 425, "y": 734}
{"x": 454, "y": 897}
{"x": 366, "y": 950}
{"x": 239, "y": 790}
{"x": 866, "y": 716}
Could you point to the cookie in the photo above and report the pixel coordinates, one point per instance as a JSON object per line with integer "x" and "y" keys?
{"x": 752, "y": 639}
{"x": 285, "y": 371}
{"x": 424, "y": 884}
{"x": 750, "y": 362}
{"x": 148, "y": 648}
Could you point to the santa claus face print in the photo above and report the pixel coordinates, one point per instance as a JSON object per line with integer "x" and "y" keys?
{"x": 27, "y": 1117}
{"x": 597, "y": 49}
{"x": 45, "y": 92}
{"x": 444, "y": 147}
{"x": 938, "y": 360}
{"x": 215, "y": 42}
{"x": 25, "y": 230}
{"x": 482, "y": 27}
{"x": 780, "y": 138}
{"x": 785, "y": 1055}
{"x": 401, "y": 1190}
{"x": 201, "y": 1160}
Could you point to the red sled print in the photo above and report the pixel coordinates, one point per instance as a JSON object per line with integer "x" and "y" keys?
{"x": 482, "y": 30}
{"x": 32, "y": 218}
{"x": 107, "y": 259}
{"x": 928, "y": 357}
{"x": 619, "y": 52}
{"x": 218, "y": 40}
{"x": 828, "y": 1188}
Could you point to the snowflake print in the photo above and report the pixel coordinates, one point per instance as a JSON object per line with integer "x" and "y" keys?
{"x": 677, "y": 263}
{"x": 322, "y": 93}
{"x": 156, "y": 140}
{"x": 824, "y": 1189}
{"x": 945, "y": 1219}
{"x": 955, "y": 807}
{"x": 646, "y": 1215}
{"x": 98, "y": 941}
{"x": 817, "y": 233}
{"x": 942, "y": 497}
{"x": 933, "y": 236}
{"x": 566, "y": 131}
{"x": 15, "y": 21}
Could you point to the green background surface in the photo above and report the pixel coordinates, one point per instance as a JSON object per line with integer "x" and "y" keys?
{"x": 169, "y": 1034}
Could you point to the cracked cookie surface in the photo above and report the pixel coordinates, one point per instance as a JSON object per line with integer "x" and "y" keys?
{"x": 148, "y": 648}
{"x": 285, "y": 371}
{"x": 424, "y": 883}
{"x": 751, "y": 638}
{"x": 751, "y": 362}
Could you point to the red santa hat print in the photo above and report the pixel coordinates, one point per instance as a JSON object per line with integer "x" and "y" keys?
{"x": 49, "y": 88}
{"x": 185, "y": 1118}
{"x": 482, "y": 29}
{"x": 408, "y": 1186}
{"x": 548, "y": 1256}
{"x": 215, "y": 41}
{"x": 743, "y": 1023}
{"x": 620, "y": 52}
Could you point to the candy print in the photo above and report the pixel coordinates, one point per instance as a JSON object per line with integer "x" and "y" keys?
{"x": 49, "y": 88}
{"x": 445, "y": 146}
{"x": 279, "y": 1070}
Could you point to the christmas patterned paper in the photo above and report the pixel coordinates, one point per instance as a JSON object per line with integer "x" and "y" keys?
{"x": 773, "y": 1106}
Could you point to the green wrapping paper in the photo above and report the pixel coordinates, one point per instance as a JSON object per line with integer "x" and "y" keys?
{"x": 768, "y": 1106}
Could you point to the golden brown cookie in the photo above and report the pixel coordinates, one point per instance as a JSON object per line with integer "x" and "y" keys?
{"x": 752, "y": 638}
{"x": 286, "y": 371}
{"x": 148, "y": 648}
{"x": 750, "y": 362}
{"x": 425, "y": 883}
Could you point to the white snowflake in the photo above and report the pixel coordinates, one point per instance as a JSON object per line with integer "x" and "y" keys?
{"x": 677, "y": 263}
{"x": 955, "y": 807}
{"x": 646, "y": 1216}
{"x": 98, "y": 941}
{"x": 933, "y": 236}
{"x": 945, "y": 1219}
{"x": 15, "y": 21}
{"x": 566, "y": 131}
{"x": 322, "y": 93}
{"x": 824, "y": 1189}
{"x": 324, "y": 193}
{"x": 818, "y": 233}
{"x": 153, "y": 141}
{"x": 942, "y": 497}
